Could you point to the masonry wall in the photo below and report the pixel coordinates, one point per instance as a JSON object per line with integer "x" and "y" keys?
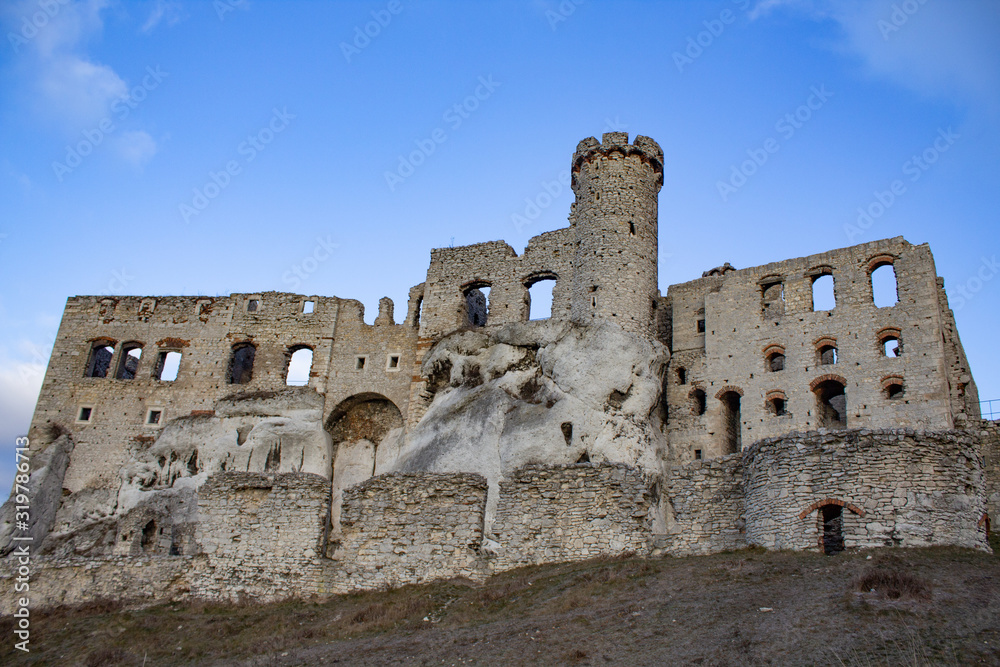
{"x": 898, "y": 488}
{"x": 707, "y": 507}
{"x": 741, "y": 325}
{"x": 262, "y": 534}
{"x": 571, "y": 512}
{"x": 407, "y": 528}
{"x": 989, "y": 437}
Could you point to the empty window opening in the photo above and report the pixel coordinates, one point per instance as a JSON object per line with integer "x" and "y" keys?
{"x": 682, "y": 375}
{"x": 894, "y": 389}
{"x": 299, "y": 364}
{"x": 252, "y": 305}
{"x": 698, "y": 402}
{"x": 827, "y": 355}
{"x": 775, "y": 361}
{"x": 884, "y": 288}
{"x": 308, "y": 307}
{"x": 584, "y": 458}
{"x": 631, "y": 228}
{"x": 831, "y": 403}
{"x": 129, "y": 362}
{"x": 99, "y": 360}
{"x": 393, "y": 363}
{"x": 477, "y": 305}
{"x": 273, "y": 462}
{"x": 730, "y": 422}
{"x": 420, "y": 310}
{"x": 697, "y": 454}
{"x": 567, "y": 431}
{"x": 192, "y": 464}
{"x": 772, "y": 299}
{"x": 359, "y": 363}
{"x": 85, "y": 414}
{"x": 776, "y": 406}
{"x": 167, "y": 365}
{"x": 153, "y": 417}
{"x": 701, "y": 326}
{"x": 148, "y": 540}
{"x": 241, "y": 363}
{"x": 540, "y": 299}
{"x": 832, "y": 517}
{"x": 890, "y": 346}
{"x": 822, "y": 292}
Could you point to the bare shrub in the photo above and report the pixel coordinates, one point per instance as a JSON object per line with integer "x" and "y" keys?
{"x": 892, "y": 584}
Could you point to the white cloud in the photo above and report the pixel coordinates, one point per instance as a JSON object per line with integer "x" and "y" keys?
{"x": 80, "y": 90}
{"x": 163, "y": 10}
{"x": 136, "y": 147}
{"x": 936, "y": 48}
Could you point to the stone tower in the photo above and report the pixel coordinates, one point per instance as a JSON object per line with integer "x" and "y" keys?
{"x": 615, "y": 267}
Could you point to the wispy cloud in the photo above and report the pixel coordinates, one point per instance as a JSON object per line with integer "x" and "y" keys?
{"x": 936, "y": 48}
{"x": 163, "y": 11}
{"x": 136, "y": 147}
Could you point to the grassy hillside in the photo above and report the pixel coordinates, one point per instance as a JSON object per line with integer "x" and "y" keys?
{"x": 902, "y": 606}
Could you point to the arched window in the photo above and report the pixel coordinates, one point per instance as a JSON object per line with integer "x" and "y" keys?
{"x": 241, "y": 363}
{"x": 774, "y": 358}
{"x": 99, "y": 359}
{"x": 889, "y": 341}
{"x": 698, "y": 401}
{"x": 823, "y": 297}
{"x": 477, "y": 303}
{"x": 128, "y": 364}
{"x": 731, "y": 422}
{"x": 892, "y": 387}
{"x": 826, "y": 351}
{"x": 300, "y": 360}
{"x": 539, "y": 297}
{"x": 772, "y": 298}
{"x": 775, "y": 403}
{"x": 831, "y": 401}
{"x": 882, "y": 279}
{"x": 168, "y": 363}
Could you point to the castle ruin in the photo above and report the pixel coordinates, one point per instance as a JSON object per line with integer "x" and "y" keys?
{"x": 173, "y": 455}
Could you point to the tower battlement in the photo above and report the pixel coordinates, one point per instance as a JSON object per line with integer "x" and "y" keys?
{"x": 617, "y": 143}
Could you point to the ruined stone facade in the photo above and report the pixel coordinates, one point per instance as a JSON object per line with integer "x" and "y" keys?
{"x": 271, "y": 445}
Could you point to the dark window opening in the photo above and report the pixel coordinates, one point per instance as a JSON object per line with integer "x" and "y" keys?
{"x": 894, "y": 390}
{"x": 584, "y": 458}
{"x": 701, "y": 326}
{"x": 273, "y": 462}
{"x": 148, "y": 540}
{"x": 884, "y": 288}
{"x": 477, "y": 305}
{"x": 831, "y": 401}
{"x": 823, "y": 297}
{"x": 631, "y": 228}
{"x": 776, "y": 362}
{"x": 129, "y": 362}
{"x": 731, "y": 422}
{"x": 85, "y": 414}
{"x": 776, "y": 406}
{"x": 567, "y": 431}
{"x": 167, "y": 365}
{"x": 682, "y": 375}
{"x": 827, "y": 355}
{"x": 393, "y": 361}
{"x": 299, "y": 365}
{"x": 241, "y": 363}
{"x": 154, "y": 417}
{"x": 359, "y": 363}
{"x": 833, "y": 528}
{"x": 100, "y": 360}
{"x": 697, "y": 454}
{"x": 698, "y": 402}
{"x": 252, "y": 305}
{"x": 308, "y": 307}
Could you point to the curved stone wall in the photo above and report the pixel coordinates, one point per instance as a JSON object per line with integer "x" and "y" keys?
{"x": 895, "y": 487}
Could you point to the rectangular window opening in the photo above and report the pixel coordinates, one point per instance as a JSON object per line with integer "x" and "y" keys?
{"x": 393, "y": 361}
{"x": 252, "y": 305}
{"x": 153, "y": 417}
{"x": 359, "y": 363}
{"x": 85, "y": 414}
{"x": 308, "y": 306}
{"x": 697, "y": 454}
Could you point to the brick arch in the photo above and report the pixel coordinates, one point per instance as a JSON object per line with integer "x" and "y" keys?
{"x": 823, "y": 378}
{"x": 478, "y": 283}
{"x": 773, "y": 347}
{"x": 820, "y": 270}
{"x": 883, "y": 259}
{"x": 728, "y": 388}
{"x": 825, "y": 340}
{"x": 888, "y": 331}
{"x": 775, "y": 393}
{"x": 831, "y": 501}
{"x": 538, "y": 276}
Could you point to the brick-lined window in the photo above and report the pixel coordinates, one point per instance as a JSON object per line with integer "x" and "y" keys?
{"x": 775, "y": 402}
{"x": 889, "y": 342}
{"x": 774, "y": 358}
{"x": 128, "y": 363}
{"x": 831, "y": 401}
{"x": 892, "y": 387}
{"x": 882, "y": 281}
{"x": 826, "y": 351}
{"x": 99, "y": 359}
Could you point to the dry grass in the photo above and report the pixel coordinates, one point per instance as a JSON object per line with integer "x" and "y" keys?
{"x": 746, "y": 608}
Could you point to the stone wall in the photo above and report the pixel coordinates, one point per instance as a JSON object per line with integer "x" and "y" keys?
{"x": 989, "y": 437}
{"x": 707, "y": 507}
{"x": 571, "y": 512}
{"x": 407, "y": 528}
{"x": 262, "y": 534}
{"x": 897, "y": 488}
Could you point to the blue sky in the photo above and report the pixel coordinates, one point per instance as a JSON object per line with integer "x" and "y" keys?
{"x": 159, "y": 148}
